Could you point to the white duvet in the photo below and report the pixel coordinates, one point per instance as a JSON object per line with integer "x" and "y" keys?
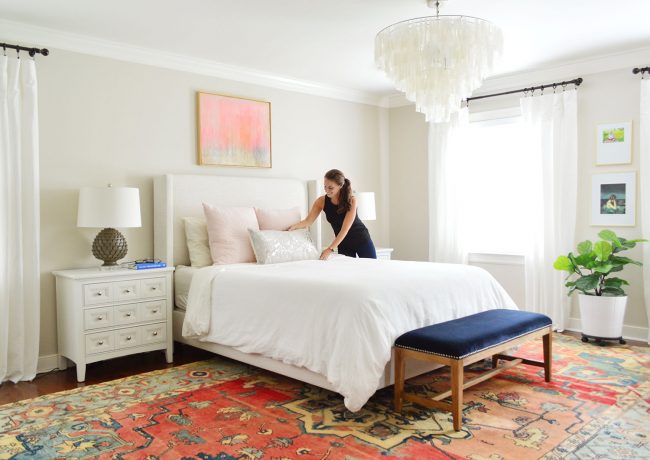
{"x": 338, "y": 318}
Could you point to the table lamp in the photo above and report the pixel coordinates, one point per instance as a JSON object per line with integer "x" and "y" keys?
{"x": 366, "y": 205}
{"x": 107, "y": 208}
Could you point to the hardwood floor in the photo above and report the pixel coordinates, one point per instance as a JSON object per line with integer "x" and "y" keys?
{"x": 102, "y": 371}
{"x": 117, "y": 368}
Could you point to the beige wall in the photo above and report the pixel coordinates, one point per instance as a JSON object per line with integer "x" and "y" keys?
{"x": 408, "y": 183}
{"x": 610, "y": 97}
{"x": 603, "y": 97}
{"x": 103, "y": 120}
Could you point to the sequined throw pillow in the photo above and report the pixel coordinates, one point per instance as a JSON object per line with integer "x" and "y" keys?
{"x": 274, "y": 247}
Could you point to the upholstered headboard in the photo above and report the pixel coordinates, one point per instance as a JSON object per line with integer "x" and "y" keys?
{"x": 177, "y": 196}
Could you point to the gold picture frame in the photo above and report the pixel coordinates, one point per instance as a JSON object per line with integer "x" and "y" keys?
{"x": 233, "y": 131}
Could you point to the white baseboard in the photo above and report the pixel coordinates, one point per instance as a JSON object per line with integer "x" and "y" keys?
{"x": 629, "y": 332}
{"x": 47, "y": 363}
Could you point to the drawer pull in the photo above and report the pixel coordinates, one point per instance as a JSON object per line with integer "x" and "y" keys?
{"x": 154, "y": 311}
{"x": 99, "y": 318}
{"x": 127, "y": 291}
{"x": 153, "y": 288}
{"x": 155, "y": 333}
{"x": 128, "y": 315}
{"x": 101, "y": 342}
{"x": 128, "y": 338}
{"x": 100, "y": 293}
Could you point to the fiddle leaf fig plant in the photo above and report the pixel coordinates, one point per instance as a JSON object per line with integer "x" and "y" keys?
{"x": 591, "y": 270}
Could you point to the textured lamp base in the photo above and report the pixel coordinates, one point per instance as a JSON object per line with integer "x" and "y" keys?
{"x": 109, "y": 246}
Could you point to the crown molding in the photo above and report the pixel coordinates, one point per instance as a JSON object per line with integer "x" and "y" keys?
{"x": 53, "y": 38}
{"x": 395, "y": 100}
{"x": 568, "y": 70}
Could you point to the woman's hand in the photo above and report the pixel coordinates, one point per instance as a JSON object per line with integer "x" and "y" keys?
{"x": 297, "y": 226}
{"x": 326, "y": 253}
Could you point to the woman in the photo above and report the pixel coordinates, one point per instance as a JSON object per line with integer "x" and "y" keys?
{"x": 611, "y": 204}
{"x": 340, "y": 206}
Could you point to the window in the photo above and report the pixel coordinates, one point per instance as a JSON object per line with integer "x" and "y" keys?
{"x": 498, "y": 177}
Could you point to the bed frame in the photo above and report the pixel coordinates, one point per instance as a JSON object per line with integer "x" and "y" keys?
{"x": 178, "y": 196}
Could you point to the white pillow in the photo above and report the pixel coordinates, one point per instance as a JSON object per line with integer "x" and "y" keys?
{"x": 227, "y": 233}
{"x": 274, "y": 246}
{"x": 196, "y": 237}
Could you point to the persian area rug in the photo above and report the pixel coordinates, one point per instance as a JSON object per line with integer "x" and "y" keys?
{"x": 598, "y": 406}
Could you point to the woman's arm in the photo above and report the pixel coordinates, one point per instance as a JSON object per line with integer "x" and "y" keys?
{"x": 316, "y": 209}
{"x": 345, "y": 228}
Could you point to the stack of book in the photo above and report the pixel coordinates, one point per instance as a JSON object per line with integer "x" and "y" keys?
{"x": 145, "y": 264}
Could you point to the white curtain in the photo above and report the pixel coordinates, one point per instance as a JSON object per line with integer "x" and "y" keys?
{"x": 19, "y": 220}
{"x": 644, "y": 160}
{"x": 552, "y": 122}
{"x": 446, "y": 240}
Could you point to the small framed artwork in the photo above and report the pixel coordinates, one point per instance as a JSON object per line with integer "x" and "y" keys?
{"x": 614, "y": 143}
{"x": 233, "y": 131}
{"x": 613, "y": 199}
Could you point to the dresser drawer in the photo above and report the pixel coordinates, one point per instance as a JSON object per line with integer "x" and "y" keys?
{"x": 126, "y": 290}
{"x": 126, "y": 314}
{"x": 125, "y": 338}
{"x": 98, "y": 293}
{"x": 153, "y": 287}
{"x": 152, "y": 311}
{"x": 153, "y": 333}
{"x": 100, "y": 342}
{"x": 94, "y": 318}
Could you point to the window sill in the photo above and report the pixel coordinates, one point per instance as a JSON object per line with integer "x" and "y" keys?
{"x": 500, "y": 259}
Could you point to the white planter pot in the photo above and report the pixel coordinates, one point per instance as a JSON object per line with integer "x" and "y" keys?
{"x": 602, "y": 316}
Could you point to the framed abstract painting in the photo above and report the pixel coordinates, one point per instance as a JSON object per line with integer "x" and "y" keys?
{"x": 233, "y": 131}
{"x": 614, "y": 143}
{"x": 613, "y": 199}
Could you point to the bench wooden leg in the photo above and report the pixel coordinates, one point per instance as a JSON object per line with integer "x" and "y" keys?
{"x": 495, "y": 361}
{"x": 457, "y": 379}
{"x": 399, "y": 378}
{"x": 548, "y": 355}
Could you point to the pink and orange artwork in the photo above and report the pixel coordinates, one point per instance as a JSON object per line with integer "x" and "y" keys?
{"x": 234, "y": 131}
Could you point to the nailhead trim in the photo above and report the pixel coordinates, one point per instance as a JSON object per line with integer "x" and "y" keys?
{"x": 429, "y": 352}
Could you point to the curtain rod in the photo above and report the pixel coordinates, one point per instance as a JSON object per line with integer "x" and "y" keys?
{"x": 576, "y": 81}
{"x": 640, "y": 70}
{"x": 32, "y": 51}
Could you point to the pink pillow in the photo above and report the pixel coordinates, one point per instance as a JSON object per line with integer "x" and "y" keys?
{"x": 228, "y": 233}
{"x": 277, "y": 219}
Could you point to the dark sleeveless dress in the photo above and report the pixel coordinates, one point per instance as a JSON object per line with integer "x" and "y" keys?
{"x": 358, "y": 233}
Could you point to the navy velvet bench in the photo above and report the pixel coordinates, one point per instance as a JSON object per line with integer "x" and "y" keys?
{"x": 464, "y": 341}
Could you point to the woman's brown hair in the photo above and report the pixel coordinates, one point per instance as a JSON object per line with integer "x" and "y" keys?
{"x": 346, "y": 189}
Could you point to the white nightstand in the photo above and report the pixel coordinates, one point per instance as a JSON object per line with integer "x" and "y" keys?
{"x": 383, "y": 253}
{"x": 106, "y": 313}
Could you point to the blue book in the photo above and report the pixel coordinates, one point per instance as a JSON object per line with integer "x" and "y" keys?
{"x": 146, "y": 265}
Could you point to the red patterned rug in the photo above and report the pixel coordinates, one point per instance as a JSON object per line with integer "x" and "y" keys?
{"x": 598, "y": 406}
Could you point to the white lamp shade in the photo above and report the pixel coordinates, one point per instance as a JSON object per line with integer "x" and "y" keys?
{"x": 366, "y": 205}
{"x": 109, "y": 207}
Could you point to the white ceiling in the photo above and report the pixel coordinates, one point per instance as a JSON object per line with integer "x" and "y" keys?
{"x": 331, "y": 41}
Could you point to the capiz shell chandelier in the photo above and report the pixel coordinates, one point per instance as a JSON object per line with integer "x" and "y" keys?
{"x": 437, "y": 61}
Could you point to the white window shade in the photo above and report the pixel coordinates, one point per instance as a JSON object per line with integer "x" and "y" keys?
{"x": 109, "y": 207}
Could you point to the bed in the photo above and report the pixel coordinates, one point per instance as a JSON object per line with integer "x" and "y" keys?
{"x": 377, "y": 299}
